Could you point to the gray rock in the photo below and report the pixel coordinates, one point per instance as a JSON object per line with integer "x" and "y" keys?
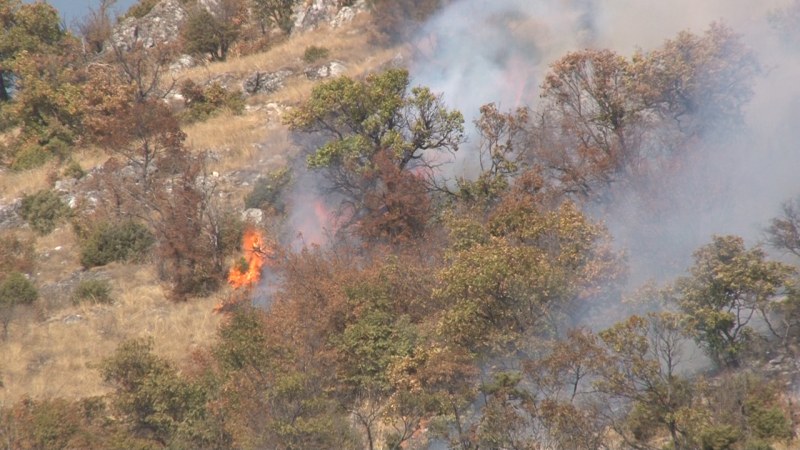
{"x": 329, "y": 70}
{"x": 226, "y": 79}
{"x": 265, "y": 82}
{"x": 161, "y": 25}
{"x": 345, "y": 15}
{"x": 253, "y": 216}
{"x": 65, "y": 185}
{"x": 183, "y": 62}
{"x": 9, "y": 215}
{"x": 311, "y": 14}
{"x": 73, "y": 318}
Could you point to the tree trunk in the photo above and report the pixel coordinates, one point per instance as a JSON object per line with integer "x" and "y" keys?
{"x": 4, "y": 97}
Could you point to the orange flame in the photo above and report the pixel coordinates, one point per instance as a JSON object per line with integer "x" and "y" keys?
{"x": 247, "y": 272}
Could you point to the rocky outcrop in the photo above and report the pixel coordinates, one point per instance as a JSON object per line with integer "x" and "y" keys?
{"x": 9, "y": 215}
{"x": 161, "y": 25}
{"x": 265, "y": 82}
{"x": 329, "y": 70}
{"x": 311, "y": 14}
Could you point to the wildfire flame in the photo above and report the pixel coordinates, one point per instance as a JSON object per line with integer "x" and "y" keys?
{"x": 247, "y": 271}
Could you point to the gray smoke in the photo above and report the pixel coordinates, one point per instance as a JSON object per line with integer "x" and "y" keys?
{"x": 475, "y": 52}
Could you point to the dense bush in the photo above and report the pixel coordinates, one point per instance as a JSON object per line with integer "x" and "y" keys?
{"x": 74, "y": 170}
{"x": 43, "y": 210}
{"x": 30, "y": 156}
{"x": 15, "y": 290}
{"x": 267, "y": 191}
{"x": 151, "y": 397}
{"x": 314, "y": 53}
{"x": 203, "y": 103}
{"x": 92, "y": 291}
{"x": 126, "y": 241}
{"x": 208, "y": 34}
{"x": 56, "y": 144}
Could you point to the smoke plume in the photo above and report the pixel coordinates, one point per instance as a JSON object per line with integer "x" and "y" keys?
{"x": 475, "y": 52}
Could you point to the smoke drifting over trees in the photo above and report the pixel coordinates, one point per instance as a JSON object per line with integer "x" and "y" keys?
{"x": 560, "y": 228}
{"x": 737, "y": 174}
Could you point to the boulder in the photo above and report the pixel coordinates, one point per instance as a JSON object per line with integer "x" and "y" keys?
{"x": 253, "y": 216}
{"x": 182, "y": 63}
{"x": 345, "y": 15}
{"x": 329, "y": 70}
{"x": 311, "y": 14}
{"x": 9, "y": 215}
{"x": 265, "y": 82}
{"x": 161, "y": 25}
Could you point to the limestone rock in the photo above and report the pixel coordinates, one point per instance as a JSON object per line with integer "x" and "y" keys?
{"x": 9, "y": 215}
{"x": 329, "y": 70}
{"x": 265, "y": 82}
{"x": 253, "y": 216}
{"x": 161, "y": 25}
{"x": 311, "y": 14}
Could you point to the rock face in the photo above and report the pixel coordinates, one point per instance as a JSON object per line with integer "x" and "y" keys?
{"x": 9, "y": 215}
{"x": 253, "y": 216}
{"x": 310, "y": 14}
{"x": 161, "y": 25}
{"x": 329, "y": 70}
{"x": 265, "y": 82}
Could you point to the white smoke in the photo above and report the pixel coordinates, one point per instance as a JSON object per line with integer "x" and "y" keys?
{"x": 476, "y": 51}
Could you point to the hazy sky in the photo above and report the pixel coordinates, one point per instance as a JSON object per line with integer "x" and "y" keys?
{"x": 75, "y": 9}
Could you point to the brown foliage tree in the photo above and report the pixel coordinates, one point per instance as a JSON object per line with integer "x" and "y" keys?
{"x": 606, "y": 119}
{"x": 396, "y": 207}
{"x": 95, "y": 27}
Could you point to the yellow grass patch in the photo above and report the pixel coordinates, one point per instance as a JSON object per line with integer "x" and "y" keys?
{"x": 350, "y": 43}
{"x": 54, "y": 348}
{"x": 59, "y": 356}
{"x": 14, "y": 185}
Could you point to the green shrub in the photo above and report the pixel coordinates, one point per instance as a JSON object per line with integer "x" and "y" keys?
{"x": 314, "y": 53}
{"x": 30, "y": 156}
{"x": 203, "y": 103}
{"x": 769, "y": 423}
{"x": 126, "y": 241}
{"x": 150, "y": 396}
{"x": 92, "y": 291}
{"x": 16, "y": 289}
{"x": 74, "y": 170}
{"x": 267, "y": 191}
{"x": 43, "y": 210}
{"x": 231, "y": 227}
{"x": 719, "y": 437}
{"x": 758, "y": 445}
{"x": 206, "y": 34}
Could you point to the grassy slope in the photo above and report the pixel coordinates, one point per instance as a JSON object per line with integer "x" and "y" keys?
{"x": 53, "y": 349}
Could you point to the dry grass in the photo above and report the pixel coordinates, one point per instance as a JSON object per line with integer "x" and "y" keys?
{"x": 350, "y": 44}
{"x": 59, "y": 356}
{"x": 257, "y": 139}
{"x": 14, "y": 185}
{"x": 54, "y": 349}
